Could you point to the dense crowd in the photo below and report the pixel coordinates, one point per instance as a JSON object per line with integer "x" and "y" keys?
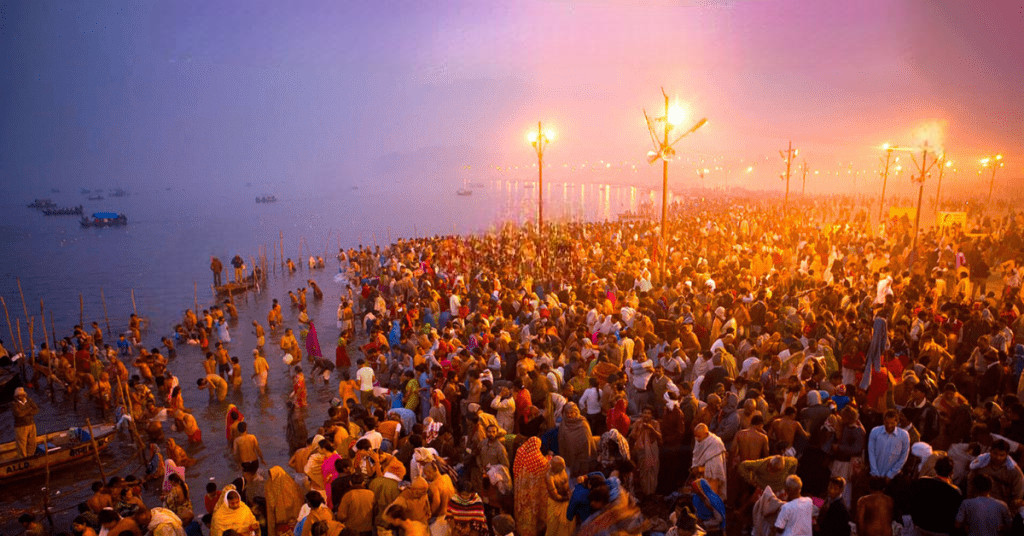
{"x": 757, "y": 372}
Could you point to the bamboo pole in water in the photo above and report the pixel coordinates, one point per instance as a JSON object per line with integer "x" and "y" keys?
{"x": 135, "y": 431}
{"x": 42, "y": 316}
{"x": 134, "y": 310}
{"x": 106, "y": 319}
{"x": 8, "y": 315}
{"x": 46, "y": 489}
{"x": 195, "y": 295}
{"x": 23, "y": 305}
{"x": 96, "y": 450}
{"x": 21, "y": 345}
{"x": 81, "y": 310}
{"x": 53, "y": 332}
{"x": 280, "y": 238}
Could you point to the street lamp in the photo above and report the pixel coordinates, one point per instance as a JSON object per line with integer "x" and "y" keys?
{"x": 539, "y": 140}
{"x": 994, "y": 162}
{"x": 674, "y": 116}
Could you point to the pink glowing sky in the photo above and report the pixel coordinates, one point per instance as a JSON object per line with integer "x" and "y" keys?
{"x": 317, "y": 89}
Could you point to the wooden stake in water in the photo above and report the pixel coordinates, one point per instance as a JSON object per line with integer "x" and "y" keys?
{"x": 280, "y": 237}
{"x": 105, "y": 317}
{"x": 134, "y": 310}
{"x": 81, "y": 310}
{"x": 21, "y": 345}
{"x": 8, "y": 315}
{"x": 96, "y": 450}
{"x": 42, "y": 316}
{"x": 195, "y": 295}
{"x": 53, "y": 331}
{"x": 23, "y": 305}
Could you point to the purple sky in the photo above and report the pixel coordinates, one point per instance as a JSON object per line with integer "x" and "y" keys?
{"x": 231, "y": 91}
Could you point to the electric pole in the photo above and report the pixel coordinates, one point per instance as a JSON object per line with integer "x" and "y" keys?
{"x": 885, "y": 178}
{"x": 803, "y": 187}
{"x": 788, "y": 155}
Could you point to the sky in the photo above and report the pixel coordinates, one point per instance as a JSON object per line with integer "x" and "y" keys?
{"x": 323, "y": 92}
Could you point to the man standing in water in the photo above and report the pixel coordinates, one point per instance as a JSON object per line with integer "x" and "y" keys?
{"x": 24, "y": 409}
{"x": 261, "y": 370}
{"x": 216, "y": 267}
{"x": 247, "y": 450}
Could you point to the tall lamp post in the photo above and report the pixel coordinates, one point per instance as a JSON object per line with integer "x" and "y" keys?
{"x": 885, "y": 177}
{"x": 539, "y": 140}
{"x": 994, "y": 162}
{"x": 924, "y": 166}
{"x": 674, "y": 115}
{"x": 942, "y": 169}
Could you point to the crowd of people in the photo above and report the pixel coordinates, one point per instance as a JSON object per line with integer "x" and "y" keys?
{"x": 756, "y": 372}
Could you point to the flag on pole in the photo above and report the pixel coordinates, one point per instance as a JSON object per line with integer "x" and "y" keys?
{"x": 312, "y": 343}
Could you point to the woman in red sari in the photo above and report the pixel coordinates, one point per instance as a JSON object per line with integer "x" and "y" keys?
{"x": 531, "y": 499}
{"x": 231, "y": 420}
{"x": 618, "y": 419}
{"x": 299, "y": 388}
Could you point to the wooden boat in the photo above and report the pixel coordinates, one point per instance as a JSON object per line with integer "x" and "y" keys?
{"x": 64, "y": 447}
{"x": 266, "y": 199}
{"x": 105, "y": 219}
{"x": 463, "y": 191}
{"x": 64, "y": 211}
{"x": 10, "y": 380}
{"x": 96, "y": 197}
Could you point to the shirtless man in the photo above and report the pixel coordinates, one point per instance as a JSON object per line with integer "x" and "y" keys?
{"x": 396, "y": 516}
{"x": 875, "y": 510}
{"x": 751, "y": 443}
{"x": 115, "y": 524}
{"x": 247, "y": 450}
{"x": 784, "y": 431}
{"x": 749, "y": 410}
{"x": 217, "y": 386}
{"x": 100, "y": 498}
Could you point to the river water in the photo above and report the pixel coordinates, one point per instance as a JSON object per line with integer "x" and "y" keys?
{"x": 163, "y": 256}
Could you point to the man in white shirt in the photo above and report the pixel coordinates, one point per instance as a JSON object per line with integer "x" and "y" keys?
{"x": 365, "y": 378}
{"x": 640, "y": 373}
{"x": 796, "y": 516}
{"x": 505, "y": 409}
{"x": 590, "y": 407}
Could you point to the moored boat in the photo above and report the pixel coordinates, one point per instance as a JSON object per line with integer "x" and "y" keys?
{"x": 266, "y": 199}
{"x": 105, "y": 219}
{"x": 64, "y": 447}
{"x": 95, "y": 197}
{"x": 64, "y": 211}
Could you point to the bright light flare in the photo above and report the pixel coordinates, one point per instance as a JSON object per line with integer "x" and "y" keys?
{"x": 549, "y": 135}
{"x": 885, "y": 146}
{"x": 676, "y": 115}
{"x": 750, "y": 168}
{"x": 531, "y": 136}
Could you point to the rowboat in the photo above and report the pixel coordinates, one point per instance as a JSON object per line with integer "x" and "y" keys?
{"x": 65, "y": 447}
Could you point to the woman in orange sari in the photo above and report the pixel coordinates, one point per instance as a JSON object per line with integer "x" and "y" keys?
{"x": 531, "y": 495}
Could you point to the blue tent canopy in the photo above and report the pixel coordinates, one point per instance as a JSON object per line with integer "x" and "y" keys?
{"x": 105, "y": 215}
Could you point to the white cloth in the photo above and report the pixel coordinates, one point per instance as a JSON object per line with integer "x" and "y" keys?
{"x": 796, "y": 517}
